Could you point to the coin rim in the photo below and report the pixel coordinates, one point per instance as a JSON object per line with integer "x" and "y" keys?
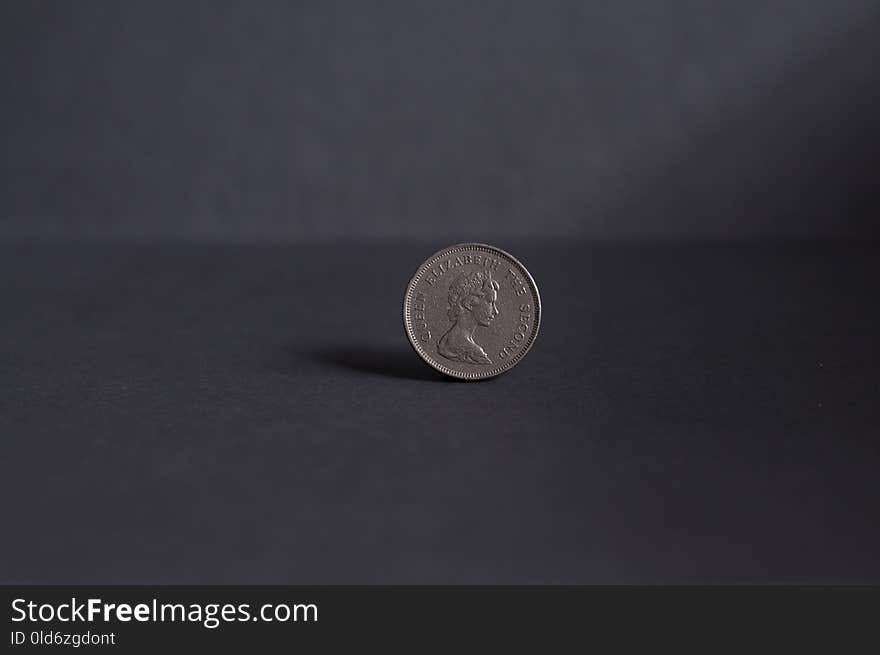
{"x": 426, "y": 266}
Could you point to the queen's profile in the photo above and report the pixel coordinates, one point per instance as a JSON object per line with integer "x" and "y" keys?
{"x": 473, "y": 299}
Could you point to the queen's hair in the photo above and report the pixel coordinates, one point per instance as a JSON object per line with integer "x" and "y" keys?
{"x": 475, "y": 284}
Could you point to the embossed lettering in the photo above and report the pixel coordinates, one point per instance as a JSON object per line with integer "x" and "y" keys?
{"x": 420, "y": 326}
{"x": 519, "y": 332}
{"x": 516, "y": 282}
{"x": 462, "y": 260}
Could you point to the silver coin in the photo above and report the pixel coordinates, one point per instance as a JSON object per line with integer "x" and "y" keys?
{"x": 472, "y": 311}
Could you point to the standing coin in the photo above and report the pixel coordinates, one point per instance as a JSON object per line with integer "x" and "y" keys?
{"x": 472, "y": 311}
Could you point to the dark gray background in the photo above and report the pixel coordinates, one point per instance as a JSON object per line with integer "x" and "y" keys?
{"x": 303, "y": 120}
{"x": 701, "y": 404}
{"x": 229, "y": 414}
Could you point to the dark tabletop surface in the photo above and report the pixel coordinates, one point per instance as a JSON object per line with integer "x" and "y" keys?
{"x": 254, "y": 414}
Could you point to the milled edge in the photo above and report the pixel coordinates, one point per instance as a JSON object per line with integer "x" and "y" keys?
{"x": 427, "y": 265}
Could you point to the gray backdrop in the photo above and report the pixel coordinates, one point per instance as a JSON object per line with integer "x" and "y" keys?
{"x": 327, "y": 120}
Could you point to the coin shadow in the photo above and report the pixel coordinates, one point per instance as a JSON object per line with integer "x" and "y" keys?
{"x": 400, "y": 363}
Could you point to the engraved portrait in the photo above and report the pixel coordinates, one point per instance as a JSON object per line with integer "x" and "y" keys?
{"x": 473, "y": 303}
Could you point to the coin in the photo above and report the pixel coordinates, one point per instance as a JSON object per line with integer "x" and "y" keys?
{"x": 472, "y": 311}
